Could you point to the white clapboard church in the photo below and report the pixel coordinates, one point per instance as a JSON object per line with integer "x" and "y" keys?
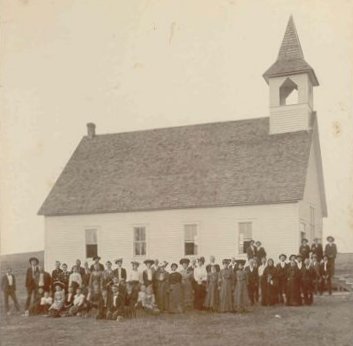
{"x": 197, "y": 190}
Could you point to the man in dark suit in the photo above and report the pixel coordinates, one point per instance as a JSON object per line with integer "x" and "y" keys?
{"x": 316, "y": 249}
{"x": 331, "y": 253}
{"x": 260, "y": 252}
{"x": 282, "y": 268}
{"x": 325, "y": 272}
{"x": 304, "y": 249}
{"x": 81, "y": 270}
{"x": 253, "y": 280}
{"x": 8, "y": 286}
{"x": 251, "y": 250}
{"x": 96, "y": 260}
{"x": 119, "y": 271}
{"x": 43, "y": 279}
{"x": 307, "y": 280}
{"x": 31, "y": 282}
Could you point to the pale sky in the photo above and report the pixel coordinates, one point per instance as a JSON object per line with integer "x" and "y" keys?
{"x": 135, "y": 64}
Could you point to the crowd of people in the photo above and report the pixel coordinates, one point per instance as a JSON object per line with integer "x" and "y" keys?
{"x": 116, "y": 293}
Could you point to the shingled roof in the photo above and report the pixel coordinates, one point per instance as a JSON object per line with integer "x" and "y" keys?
{"x": 290, "y": 58}
{"x": 208, "y": 165}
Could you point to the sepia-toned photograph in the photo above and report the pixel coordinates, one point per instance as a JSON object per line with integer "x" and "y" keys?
{"x": 176, "y": 172}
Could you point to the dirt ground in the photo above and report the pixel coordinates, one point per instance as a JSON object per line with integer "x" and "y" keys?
{"x": 328, "y": 322}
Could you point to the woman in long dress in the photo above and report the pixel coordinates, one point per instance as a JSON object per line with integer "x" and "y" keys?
{"x": 226, "y": 283}
{"x": 212, "y": 296}
{"x": 175, "y": 294}
{"x": 270, "y": 275}
{"x": 162, "y": 287}
{"x": 293, "y": 277}
{"x": 241, "y": 295}
{"x": 262, "y": 280}
{"x": 96, "y": 278}
{"x": 186, "y": 284}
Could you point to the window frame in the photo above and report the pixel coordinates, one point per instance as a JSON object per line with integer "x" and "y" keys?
{"x": 195, "y": 239}
{"x": 88, "y": 252}
{"x": 140, "y": 242}
{"x": 241, "y": 242}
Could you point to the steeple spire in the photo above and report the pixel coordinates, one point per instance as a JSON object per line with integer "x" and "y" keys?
{"x": 290, "y": 58}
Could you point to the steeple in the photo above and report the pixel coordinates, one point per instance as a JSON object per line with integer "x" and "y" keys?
{"x": 290, "y": 58}
{"x": 291, "y": 80}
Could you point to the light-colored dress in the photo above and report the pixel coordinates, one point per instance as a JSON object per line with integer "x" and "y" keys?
{"x": 241, "y": 296}
{"x": 212, "y": 297}
{"x": 59, "y": 299}
{"x": 226, "y": 281}
{"x": 187, "y": 276}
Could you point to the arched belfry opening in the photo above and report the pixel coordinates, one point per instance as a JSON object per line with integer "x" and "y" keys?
{"x": 288, "y": 93}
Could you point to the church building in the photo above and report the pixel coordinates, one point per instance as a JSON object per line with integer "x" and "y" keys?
{"x": 197, "y": 190}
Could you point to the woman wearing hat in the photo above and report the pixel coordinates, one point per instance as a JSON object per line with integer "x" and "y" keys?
{"x": 293, "y": 282}
{"x": 148, "y": 273}
{"x": 175, "y": 296}
{"x": 331, "y": 253}
{"x": 241, "y": 297}
{"x": 96, "y": 277}
{"x": 270, "y": 274}
{"x": 226, "y": 283}
{"x": 212, "y": 296}
{"x": 162, "y": 287}
{"x": 96, "y": 260}
{"x": 186, "y": 284}
{"x": 282, "y": 268}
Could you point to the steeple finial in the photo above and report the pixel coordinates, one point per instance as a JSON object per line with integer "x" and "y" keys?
{"x": 290, "y": 48}
{"x": 290, "y": 58}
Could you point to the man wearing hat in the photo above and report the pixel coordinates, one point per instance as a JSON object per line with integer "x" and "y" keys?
{"x": 331, "y": 253}
{"x": 316, "y": 249}
{"x": 251, "y": 250}
{"x": 260, "y": 252}
{"x": 282, "y": 268}
{"x": 304, "y": 249}
{"x": 96, "y": 260}
{"x": 326, "y": 276}
{"x": 119, "y": 271}
{"x": 148, "y": 273}
{"x": 31, "y": 282}
{"x": 253, "y": 280}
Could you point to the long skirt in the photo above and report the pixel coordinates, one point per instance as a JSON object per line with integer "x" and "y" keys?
{"x": 175, "y": 298}
{"x": 187, "y": 292}
{"x": 293, "y": 292}
{"x": 241, "y": 296}
{"x": 162, "y": 295}
{"x": 200, "y": 294}
{"x": 212, "y": 296}
{"x": 225, "y": 297}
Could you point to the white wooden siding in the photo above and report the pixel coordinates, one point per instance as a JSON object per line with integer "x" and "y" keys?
{"x": 276, "y": 226}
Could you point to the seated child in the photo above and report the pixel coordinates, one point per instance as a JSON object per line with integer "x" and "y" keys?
{"x": 141, "y": 296}
{"x": 149, "y": 302}
{"x": 59, "y": 300}
{"x": 45, "y": 303}
{"x": 69, "y": 300}
{"x": 116, "y": 306}
{"x": 78, "y": 305}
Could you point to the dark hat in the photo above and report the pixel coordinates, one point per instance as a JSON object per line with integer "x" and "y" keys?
{"x": 184, "y": 260}
{"x": 258, "y": 242}
{"x": 225, "y": 261}
{"x": 252, "y": 241}
{"x": 330, "y": 237}
{"x": 281, "y": 255}
{"x": 58, "y": 283}
{"x": 304, "y": 239}
{"x": 201, "y": 259}
{"x": 291, "y": 256}
{"x": 108, "y": 262}
{"x": 33, "y": 259}
{"x": 96, "y": 258}
{"x": 118, "y": 260}
{"x": 173, "y": 265}
{"x": 135, "y": 262}
{"x": 148, "y": 261}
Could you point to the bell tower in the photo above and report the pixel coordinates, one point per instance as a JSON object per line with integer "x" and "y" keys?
{"x": 291, "y": 80}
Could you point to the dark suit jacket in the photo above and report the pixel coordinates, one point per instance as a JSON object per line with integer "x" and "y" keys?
{"x": 304, "y": 250}
{"x": 101, "y": 267}
{"x": 282, "y": 272}
{"x": 5, "y": 284}
{"x": 30, "y": 280}
{"x": 145, "y": 277}
{"x": 253, "y": 276}
{"x": 55, "y": 274}
{"x": 331, "y": 251}
{"x": 123, "y": 273}
{"x": 251, "y": 252}
{"x": 260, "y": 253}
{"x": 46, "y": 279}
{"x": 317, "y": 250}
{"x": 307, "y": 275}
{"x": 208, "y": 268}
{"x": 323, "y": 272}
